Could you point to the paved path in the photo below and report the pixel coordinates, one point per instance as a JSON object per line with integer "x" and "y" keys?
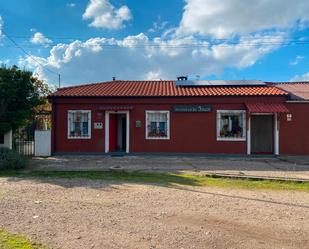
{"x": 290, "y": 167}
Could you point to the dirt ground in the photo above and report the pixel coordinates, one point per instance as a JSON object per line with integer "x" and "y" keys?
{"x": 81, "y": 213}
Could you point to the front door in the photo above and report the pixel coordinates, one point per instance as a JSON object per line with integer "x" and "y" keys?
{"x": 262, "y": 134}
{"x": 117, "y": 132}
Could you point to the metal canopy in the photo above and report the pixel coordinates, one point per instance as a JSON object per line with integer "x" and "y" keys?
{"x": 266, "y": 108}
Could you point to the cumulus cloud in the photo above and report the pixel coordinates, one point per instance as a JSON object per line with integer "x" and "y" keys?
{"x": 104, "y": 15}
{"x": 138, "y": 57}
{"x": 225, "y": 18}
{"x": 39, "y": 38}
{"x": 251, "y": 31}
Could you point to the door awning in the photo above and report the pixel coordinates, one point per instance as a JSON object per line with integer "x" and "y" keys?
{"x": 266, "y": 108}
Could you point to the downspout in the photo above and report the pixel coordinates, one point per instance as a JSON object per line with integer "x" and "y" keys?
{"x": 248, "y": 134}
{"x": 276, "y": 131}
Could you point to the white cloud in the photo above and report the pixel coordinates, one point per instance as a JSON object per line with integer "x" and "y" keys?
{"x": 225, "y": 18}
{"x": 71, "y": 5}
{"x": 299, "y": 78}
{"x": 252, "y": 31}
{"x": 105, "y": 15}
{"x": 297, "y": 60}
{"x": 138, "y": 57}
{"x": 39, "y": 38}
{"x": 1, "y": 26}
{"x": 158, "y": 25}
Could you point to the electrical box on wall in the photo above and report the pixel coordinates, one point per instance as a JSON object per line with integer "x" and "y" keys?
{"x": 289, "y": 117}
{"x": 98, "y": 125}
{"x": 138, "y": 123}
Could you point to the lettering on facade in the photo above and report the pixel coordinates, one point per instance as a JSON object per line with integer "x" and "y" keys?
{"x": 192, "y": 108}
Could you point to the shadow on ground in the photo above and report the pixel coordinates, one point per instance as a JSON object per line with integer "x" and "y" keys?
{"x": 107, "y": 180}
{"x": 171, "y": 163}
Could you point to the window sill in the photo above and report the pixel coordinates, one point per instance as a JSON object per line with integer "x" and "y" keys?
{"x": 79, "y": 138}
{"x": 157, "y": 138}
{"x": 231, "y": 139}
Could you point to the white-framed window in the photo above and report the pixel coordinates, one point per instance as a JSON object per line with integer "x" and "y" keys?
{"x": 157, "y": 125}
{"x": 231, "y": 125}
{"x": 79, "y": 124}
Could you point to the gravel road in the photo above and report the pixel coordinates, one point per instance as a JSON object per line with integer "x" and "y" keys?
{"x": 81, "y": 213}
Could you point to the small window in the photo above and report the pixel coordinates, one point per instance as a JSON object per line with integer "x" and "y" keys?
{"x": 231, "y": 125}
{"x": 1, "y": 138}
{"x": 79, "y": 124}
{"x": 157, "y": 125}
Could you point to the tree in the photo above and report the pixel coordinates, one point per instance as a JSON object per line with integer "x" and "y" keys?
{"x": 20, "y": 93}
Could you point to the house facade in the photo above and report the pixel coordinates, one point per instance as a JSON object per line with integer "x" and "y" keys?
{"x": 166, "y": 117}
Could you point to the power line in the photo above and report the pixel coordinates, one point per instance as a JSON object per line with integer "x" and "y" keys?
{"x": 155, "y": 45}
{"x": 190, "y": 43}
{"x": 132, "y": 38}
{"x": 33, "y": 58}
{"x": 233, "y": 40}
{"x": 168, "y": 44}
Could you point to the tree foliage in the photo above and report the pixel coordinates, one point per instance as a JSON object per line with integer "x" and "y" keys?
{"x": 20, "y": 93}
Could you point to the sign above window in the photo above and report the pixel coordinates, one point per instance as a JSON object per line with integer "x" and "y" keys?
{"x": 115, "y": 108}
{"x": 192, "y": 108}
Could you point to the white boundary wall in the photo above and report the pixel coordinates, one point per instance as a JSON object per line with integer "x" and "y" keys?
{"x": 8, "y": 140}
{"x": 42, "y": 143}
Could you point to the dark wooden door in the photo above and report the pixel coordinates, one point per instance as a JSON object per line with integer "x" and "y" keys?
{"x": 262, "y": 134}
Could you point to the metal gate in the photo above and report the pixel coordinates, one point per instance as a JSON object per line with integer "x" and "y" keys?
{"x": 25, "y": 148}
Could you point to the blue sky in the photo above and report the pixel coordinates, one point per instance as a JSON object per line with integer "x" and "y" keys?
{"x": 93, "y": 40}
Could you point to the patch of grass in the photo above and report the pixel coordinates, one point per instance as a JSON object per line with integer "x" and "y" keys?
{"x": 14, "y": 241}
{"x": 164, "y": 179}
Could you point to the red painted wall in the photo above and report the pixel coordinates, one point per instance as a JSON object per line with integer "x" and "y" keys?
{"x": 294, "y": 135}
{"x": 189, "y": 132}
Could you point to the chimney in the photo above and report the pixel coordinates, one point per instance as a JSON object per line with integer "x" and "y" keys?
{"x": 179, "y": 78}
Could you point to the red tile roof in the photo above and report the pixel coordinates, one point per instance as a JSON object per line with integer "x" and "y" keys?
{"x": 298, "y": 90}
{"x": 266, "y": 107}
{"x": 162, "y": 88}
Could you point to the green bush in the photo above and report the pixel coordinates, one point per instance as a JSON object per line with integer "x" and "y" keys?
{"x": 10, "y": 159}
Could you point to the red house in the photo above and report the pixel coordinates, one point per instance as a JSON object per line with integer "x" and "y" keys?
{"x": 211, "y": 117}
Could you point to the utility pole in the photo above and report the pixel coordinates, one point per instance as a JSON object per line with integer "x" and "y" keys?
{"x": 59, "y": 80}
